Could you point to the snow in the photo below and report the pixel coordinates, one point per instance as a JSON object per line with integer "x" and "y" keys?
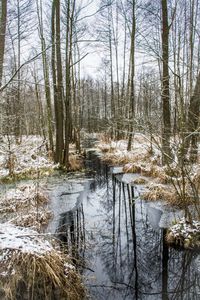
{"x": 25, "y": 205}
{"x": 185, "y": 233}
{"x": 23, "y": 239}
{"x": 185, "y": 229}
{"x": 30, "y": 154}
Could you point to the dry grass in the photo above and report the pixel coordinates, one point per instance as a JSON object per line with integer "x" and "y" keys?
{"x": 148, "y": 170}
{"x": 30, "y": 173}
{"x": 25, "y": 206}
{"x": 132, "y": 168}
{"x": 43, "y": 276}
{"x": 34, "y": 218}
{"x": 140, "y": 180}
{"x": 196, "y": 181}
{"x": 168, "y": 194}
{"x": 156, "y": 172}
{"x": 75, "y": 162}
{"x": 106, "y": 148}
{"x": 154, "y": 193}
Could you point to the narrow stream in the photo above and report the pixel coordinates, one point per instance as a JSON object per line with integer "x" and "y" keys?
{"x": 119, "y": 239}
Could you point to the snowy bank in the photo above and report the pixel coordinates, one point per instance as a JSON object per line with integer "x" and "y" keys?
{"x": 32, "y": 269}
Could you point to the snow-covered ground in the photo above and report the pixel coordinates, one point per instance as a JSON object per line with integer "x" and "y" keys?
{"x": 23, "y": 239}
{"x": 25, "y": 205}
{"x": 30, "y": 154}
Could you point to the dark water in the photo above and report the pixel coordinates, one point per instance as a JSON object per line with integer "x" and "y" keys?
{"x": 119, "y": 245}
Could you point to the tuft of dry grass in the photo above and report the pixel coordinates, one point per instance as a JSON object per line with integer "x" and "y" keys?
{"x": 114, "y": 159}
{"x": 132, "y": 168}
{"x": 75, "y": 162}
{"x": 106, "y": 148}
{"x": 159, "y": 173}
{"x": 35, "y": 218}
{"x": 154, "y": 193}
{"x": 158, "y": 192}
{"x": 140, "y": 180}
{"x": 38, "y": 276}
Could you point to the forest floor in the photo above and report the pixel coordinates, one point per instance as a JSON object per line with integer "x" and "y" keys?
{"x": 160, "y": 183}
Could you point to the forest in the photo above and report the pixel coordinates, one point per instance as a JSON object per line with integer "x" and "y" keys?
{"x": 99, "y": 149}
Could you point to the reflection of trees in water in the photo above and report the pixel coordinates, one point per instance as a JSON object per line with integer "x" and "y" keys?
{"x": 71, "y": 231}
{"x": 135, "y": 257}
{"x": 183, "y": 281}
{"x": 93, "y": 162}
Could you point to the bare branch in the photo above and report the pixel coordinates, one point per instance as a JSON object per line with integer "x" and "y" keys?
{"x": 24, "y": 64}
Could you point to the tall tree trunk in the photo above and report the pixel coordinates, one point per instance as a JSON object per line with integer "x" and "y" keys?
{"x": 18, "y": 96}
{"x": 132, "y": 75}
{"x": 57, "y": 80}
{"x": 166, "y": 130}
{"x": 59, "y": 137}
{"x": 3, "y": 21}
{"x": 46, "y": 75}
{"x": 68, "y": 59}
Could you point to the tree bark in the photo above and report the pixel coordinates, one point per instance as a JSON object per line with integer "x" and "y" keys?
{"x": 67, "y": 86}
{"x": 57, "y": 80}
{"x": 165, "y": 96}
{"x": 46, "y": 76}
{"x": 132, "y": 76}
{"x": 2, "y": 35}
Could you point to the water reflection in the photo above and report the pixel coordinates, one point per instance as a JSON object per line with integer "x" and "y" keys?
{"x": 71, "y": 231}
{"x": 130, "y": 258}
{"x": 126, "y": 256}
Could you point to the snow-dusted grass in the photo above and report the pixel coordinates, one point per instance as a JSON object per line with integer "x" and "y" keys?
{"x": 25, "y": 206}
{"x": 31, "y": 267}
{"x": 116, "y": 152}
{"x": 28, "y": 159}
{"x": 167, "y": 193}
{"x": 185, "y": 234}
